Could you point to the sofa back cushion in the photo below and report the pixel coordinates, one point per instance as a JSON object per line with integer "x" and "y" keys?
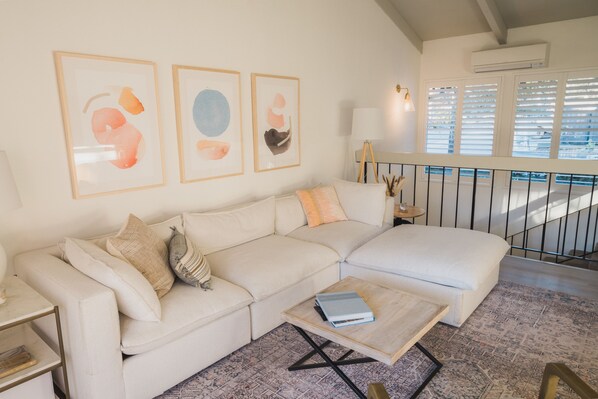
{"x": 289, "y": 214}
{"x": 215, "y": 231}
{"x": 364, "y": 203}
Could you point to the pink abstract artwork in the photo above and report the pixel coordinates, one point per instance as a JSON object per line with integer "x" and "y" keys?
{"x": 110, "y": 127}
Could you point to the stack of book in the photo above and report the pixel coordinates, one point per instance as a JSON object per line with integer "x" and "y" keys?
{"x": 343, "y": 308}
{"x": 15, "y": 360}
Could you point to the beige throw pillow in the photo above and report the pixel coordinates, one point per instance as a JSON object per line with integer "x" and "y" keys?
{"x": 139, "y": 245}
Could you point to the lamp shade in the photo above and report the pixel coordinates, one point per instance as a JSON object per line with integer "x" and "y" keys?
{"x": 9, "y": 196}
{"x": 367, "y": 124}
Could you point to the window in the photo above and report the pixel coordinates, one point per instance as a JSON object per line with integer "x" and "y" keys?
{"x": 461, "y": 119}
{"x": 556, "y": 116}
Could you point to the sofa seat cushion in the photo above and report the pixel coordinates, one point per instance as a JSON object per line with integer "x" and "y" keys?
{"x": 453, "y": 257}
{"x": 184, "y": 308}
{"x": 270, "y": 264}
{"x": 343, "y": 237}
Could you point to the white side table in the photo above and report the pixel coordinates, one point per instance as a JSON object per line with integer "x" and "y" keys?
{"x": 24, "y": 304}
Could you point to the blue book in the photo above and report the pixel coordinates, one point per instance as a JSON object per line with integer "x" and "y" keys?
{"x": 344, "y": 308}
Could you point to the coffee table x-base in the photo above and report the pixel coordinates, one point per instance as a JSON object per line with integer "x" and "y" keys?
{"x": 401, "y": 320}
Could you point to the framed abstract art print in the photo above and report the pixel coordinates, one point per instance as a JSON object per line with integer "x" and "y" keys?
{"x": 110, "y": 114}
{"x": 276, "y": 114}
{"x": 208, "y": 113}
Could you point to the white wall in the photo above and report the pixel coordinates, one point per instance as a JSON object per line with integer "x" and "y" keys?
{"x": 347, "y": 54}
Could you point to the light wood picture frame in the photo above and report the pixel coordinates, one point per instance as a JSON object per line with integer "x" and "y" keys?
{"x": 209, "y": 122}
{"x": 111, "y": 122}
{"x": 275, "y": 102}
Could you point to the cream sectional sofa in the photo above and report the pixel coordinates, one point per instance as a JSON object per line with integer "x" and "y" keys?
{"x": 264, "y": 259}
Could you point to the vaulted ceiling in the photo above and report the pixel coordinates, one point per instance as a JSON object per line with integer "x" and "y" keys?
{"x": 423, "y": 20}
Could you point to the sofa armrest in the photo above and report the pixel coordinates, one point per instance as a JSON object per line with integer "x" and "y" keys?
{"x": 90, "y": 324}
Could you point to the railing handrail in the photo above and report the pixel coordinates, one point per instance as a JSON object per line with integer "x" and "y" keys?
{"x": 553, "y": 372}
{"x": 566, "y": 166}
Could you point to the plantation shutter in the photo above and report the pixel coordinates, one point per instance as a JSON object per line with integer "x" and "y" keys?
{"x": 441, "y": 120}
{"x": 579, "y": 125}
{"x": 478, "y": 119}
{"x": 534, "y": 118}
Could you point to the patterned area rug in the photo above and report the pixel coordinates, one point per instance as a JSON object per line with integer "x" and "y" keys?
{"x": 500, "y": 352}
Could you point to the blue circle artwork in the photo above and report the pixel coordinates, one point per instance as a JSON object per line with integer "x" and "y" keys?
{"x": 211, "y": 112}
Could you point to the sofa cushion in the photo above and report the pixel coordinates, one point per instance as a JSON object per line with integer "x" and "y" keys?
{"x": 364, "y": 203}
{"x": 139, "y": 245}
{"x": 135, "y": 297}
{"x": 343, "y": 237}
{"x": 289, "y": 214}
{"x": 233, "y": 227}
{"x": 184, "y": 308}
{"x": 454, "y": 257}
{"x": 321, "y": 205}
{"x": 269, "y": 265}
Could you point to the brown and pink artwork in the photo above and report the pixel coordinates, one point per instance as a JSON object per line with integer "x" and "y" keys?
{"x": 110, "y": 111}
{"x": 275, "y": 101}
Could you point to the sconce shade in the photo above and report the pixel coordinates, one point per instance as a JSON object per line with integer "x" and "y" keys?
{"x": 9, "y": 197}
{"x": 367, "y": 124}
{"x": 409, "y": 107}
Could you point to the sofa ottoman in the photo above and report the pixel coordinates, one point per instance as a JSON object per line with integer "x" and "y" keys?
{"x": 457, "y": 267}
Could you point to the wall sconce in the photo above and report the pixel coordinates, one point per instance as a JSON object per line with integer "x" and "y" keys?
{"x": 409, "y": 107}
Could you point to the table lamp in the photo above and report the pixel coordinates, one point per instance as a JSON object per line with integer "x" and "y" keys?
{"x": 367, "y": 126}
{"x": 9, "y": 200}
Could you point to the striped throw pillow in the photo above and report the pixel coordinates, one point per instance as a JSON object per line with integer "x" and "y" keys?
{"x": 321, "y": 205}
{"x": 187, "y": 262}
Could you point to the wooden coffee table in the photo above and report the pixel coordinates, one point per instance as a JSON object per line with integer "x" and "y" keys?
{"x": 401, "y": 320}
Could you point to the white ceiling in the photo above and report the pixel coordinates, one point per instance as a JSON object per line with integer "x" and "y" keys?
{"x": 437, "y": 19}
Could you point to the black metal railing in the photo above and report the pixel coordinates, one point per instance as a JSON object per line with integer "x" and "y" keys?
{"x": 549, "y": 215}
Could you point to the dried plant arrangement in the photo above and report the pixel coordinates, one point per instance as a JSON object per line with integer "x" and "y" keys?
{"x": 393, "y": 184}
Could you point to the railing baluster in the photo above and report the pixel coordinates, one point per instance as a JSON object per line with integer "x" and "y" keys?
{"x": 442, "y": 196}
{"x": 585, "y": 242}
{"x": 491, "y": 196}
{"x": 509, "y": 206}
{"x": 567, "y": 214}
{"x": 414, "y": 183}
{"x": 401, "y": 194}
{"x": 529, "y": 186}
{"x": 558, "y": 241}
{"x": 457, "y": 197}
{"x": 473, "y": 194}
{"x": 428, "y": 195}
{"x": 576, "y": 231}
{"x": 542, "y": 244}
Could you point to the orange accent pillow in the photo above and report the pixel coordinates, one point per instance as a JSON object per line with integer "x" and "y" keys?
{"x": 321, "y": 205}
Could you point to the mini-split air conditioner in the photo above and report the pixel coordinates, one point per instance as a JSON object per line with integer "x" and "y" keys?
{"x": 503, "y": 59}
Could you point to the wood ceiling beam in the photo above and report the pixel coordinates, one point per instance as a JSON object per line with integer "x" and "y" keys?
{"x": 398, "y": 20}
{"x": 494, "y": 19}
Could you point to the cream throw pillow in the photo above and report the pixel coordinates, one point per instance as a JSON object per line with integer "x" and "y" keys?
{"x": 321, "y": 205}
{"x": 135, "y": 297}
{"x": 139, "y": 245}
